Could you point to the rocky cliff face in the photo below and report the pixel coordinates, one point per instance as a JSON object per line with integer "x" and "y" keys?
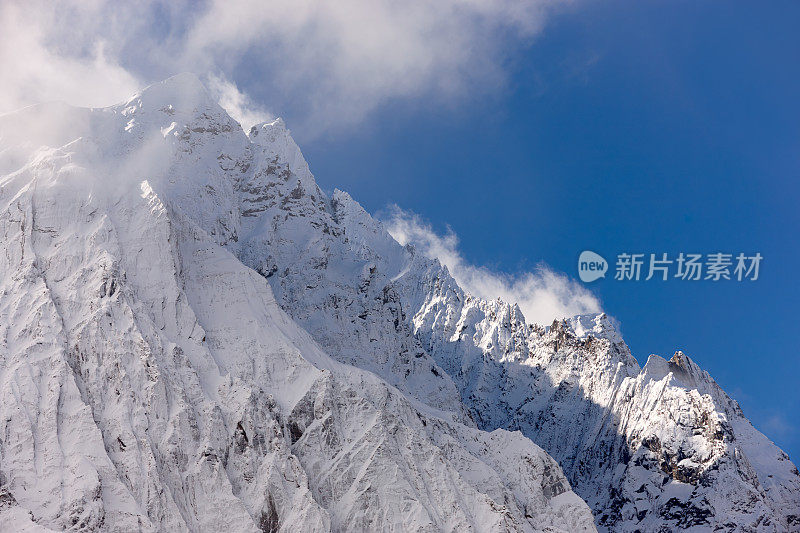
{"x": 195, "y": 337}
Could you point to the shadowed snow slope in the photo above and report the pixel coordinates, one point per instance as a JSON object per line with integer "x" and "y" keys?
{"x": 195, "y": 337}
{"x": 149, "y": 380}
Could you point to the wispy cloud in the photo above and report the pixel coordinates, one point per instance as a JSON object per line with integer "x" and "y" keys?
{"x": 238, "y": 105}
{"x": 330, "y": 64}
{"x": 543, "y": 295}
{"x": 39, "y": 67}
{"x": 342, "y": 60}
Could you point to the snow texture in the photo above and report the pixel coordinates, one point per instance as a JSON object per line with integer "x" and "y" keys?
{"x": 194, "y": 337}
{"x": 151, "y": 382}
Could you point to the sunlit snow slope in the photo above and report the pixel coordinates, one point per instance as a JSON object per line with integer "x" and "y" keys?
{"x": 149, "y": 381}
{"x": 194, "y": 336}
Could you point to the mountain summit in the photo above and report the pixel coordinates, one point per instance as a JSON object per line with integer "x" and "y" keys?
{"x": 195, "y": 337}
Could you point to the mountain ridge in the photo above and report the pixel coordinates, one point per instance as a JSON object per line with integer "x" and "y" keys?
{"x": 151, "y": 382}
{"x": 347, "y": 303}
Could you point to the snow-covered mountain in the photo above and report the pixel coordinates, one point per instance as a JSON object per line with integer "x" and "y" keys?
{"x": 193, "y": 336}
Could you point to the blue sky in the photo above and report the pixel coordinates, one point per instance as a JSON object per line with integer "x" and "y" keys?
{"x": 641, "y": 127}
{"x": 531, "y": 129}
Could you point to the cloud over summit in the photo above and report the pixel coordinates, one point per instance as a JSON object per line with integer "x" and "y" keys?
{"x": 543, "y": 295}
{"x": 329, "y": 63}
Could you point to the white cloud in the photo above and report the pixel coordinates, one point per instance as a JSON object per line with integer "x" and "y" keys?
{"x": 328, "y": 64}
{"x": 542, "y": 295}
{"x": 351, "y": 56}
{"x": 35, "y": 69}
{"x": 236, "y": 103}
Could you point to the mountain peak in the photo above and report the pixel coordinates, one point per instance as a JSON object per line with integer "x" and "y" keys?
{"x": 268, "y": 132}
{"x": 180, "y": 93}
{"x": 183, "y": 84}
{"x": 599, "y": 325}
{"x": 274, "y": 138}
{"x": 176, "y": 289}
